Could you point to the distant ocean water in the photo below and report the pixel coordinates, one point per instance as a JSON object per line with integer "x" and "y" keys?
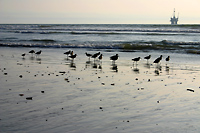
{"x": 175, "y": 38}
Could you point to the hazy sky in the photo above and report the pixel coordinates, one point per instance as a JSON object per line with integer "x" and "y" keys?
{"x": 98, "y": 11}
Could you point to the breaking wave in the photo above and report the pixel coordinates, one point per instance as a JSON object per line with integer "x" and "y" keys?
{"x": 189, "y": 47}
{"x": 183, "y": 38}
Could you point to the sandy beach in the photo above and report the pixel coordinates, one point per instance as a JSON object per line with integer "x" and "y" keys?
{"x": 51, "y": 93}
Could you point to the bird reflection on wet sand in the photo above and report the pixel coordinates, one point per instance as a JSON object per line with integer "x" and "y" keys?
{"x": 136, "y": 70}
{"x": 114, "y": 67}
{"x": 167, "y": 69}
{"x": 73, "y": 65}
{"x": 94, "y": 65}
{"x": 147, "y": 65}
{"x": 158, "y": 69}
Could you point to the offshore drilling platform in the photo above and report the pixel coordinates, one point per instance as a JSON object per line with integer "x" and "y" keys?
{"x": 173, "y": 19}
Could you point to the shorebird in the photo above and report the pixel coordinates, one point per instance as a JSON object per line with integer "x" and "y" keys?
{"x": 38, "y": 53}
{"x": 147, "y": 58}
{"x": 68, "y": 53}
{"x": 95, "y": 55}
{"x": 88, "y": 55}
{"x": 72, "y": 53}
{"x": 100, "y": 57}
{"x": 167, "y": 59}
{"x": 23, "y": 55}
{"x": 73, "y": 56}
{"x": 158, "y": 59}
{"x": 31, "y": 52}
{"x": 136, "y": 59}
{"x": 114, "y": 58}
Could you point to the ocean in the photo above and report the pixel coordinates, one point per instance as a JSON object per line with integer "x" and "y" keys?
{"x": 173, "y": 38}
{"x": 53, "y": 93}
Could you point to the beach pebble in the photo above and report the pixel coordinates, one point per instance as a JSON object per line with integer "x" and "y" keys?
{"x": 62, "y": 72}
{"x": 21, "y": 94}
{"x": 29, "y": 98}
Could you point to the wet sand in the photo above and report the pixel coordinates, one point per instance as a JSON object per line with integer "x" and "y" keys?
{"x": 51, "y": 93}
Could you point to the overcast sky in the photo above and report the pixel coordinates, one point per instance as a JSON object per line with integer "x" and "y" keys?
{"x": 98, "y": 11}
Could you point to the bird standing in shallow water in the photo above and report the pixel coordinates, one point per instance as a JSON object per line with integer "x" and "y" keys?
{"x": 31, "y": 52}
{"x": 158, "y": 59}
{"x": 68, "y": 53}
{"x": 23, "y": 55}
{"x": 136, "y": 60}
{"x": 147, "y": 58}
{"x": 167, "y": 59}
{"x": 100, "y": 57}
{"x": 88, "y": 55}
{"x": 38, "y": 53}
{"x": 73, "y": 56}
{"x": 158, "y": 67}
{"x": 114, "y": 58}
{"x": 95, "y": 55}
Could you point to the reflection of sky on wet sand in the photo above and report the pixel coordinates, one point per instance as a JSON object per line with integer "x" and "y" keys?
{"x": 70, "y": 95}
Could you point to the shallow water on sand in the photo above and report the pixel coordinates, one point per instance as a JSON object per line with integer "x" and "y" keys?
{"x": 83, "y": 96}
